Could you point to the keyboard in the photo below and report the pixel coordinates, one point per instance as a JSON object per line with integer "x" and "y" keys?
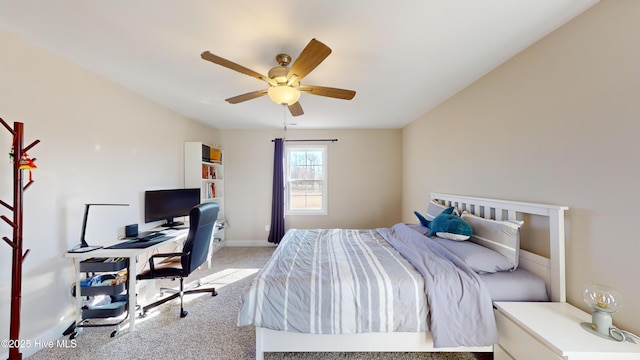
{"x": 138, "y": 244}
{"x": 151, "y": 236}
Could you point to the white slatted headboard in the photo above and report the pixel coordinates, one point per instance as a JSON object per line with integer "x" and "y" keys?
{"x": 551, "y": 269}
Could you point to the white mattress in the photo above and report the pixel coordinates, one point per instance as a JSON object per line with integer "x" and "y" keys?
{"x": 518, "y": 285}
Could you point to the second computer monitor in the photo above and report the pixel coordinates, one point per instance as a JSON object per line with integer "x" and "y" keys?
{"x": 165, "y": 205}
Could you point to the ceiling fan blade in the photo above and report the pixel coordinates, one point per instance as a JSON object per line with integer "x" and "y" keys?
{"x": 245, "y": 97}
{"x": 327, "y": 91}
{"x": 296, "y": 109}
{"x": 311, "y": 56}
{"x": 233, "y": 66}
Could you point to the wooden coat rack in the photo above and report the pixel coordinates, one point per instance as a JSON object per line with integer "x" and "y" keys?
{"x": 16, "y": 244}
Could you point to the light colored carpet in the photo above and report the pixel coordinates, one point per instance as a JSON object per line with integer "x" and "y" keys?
{"x": 209, "y": 331}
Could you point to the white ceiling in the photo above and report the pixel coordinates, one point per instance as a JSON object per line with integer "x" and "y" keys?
{"x": 402, "y": 57}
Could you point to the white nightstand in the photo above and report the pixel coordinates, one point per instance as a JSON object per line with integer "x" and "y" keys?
{"x": 546, "y": 330}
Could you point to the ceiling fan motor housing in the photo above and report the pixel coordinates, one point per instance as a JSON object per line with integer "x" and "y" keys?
{"x": 283, "y": 59}
{"x": 279, "y": 74}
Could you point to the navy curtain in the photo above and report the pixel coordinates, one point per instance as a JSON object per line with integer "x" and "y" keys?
{"x": 276, "y": 231}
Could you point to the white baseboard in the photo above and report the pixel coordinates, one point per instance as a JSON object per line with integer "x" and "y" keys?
{"x": 248, "y": 243}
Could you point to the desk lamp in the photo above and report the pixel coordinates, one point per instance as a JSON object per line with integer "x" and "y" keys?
{"x": 84, "y": 246}
{"x": 604, "y": 301}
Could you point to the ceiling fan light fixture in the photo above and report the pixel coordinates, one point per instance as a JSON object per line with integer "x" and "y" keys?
{"x": 284, "y": 95}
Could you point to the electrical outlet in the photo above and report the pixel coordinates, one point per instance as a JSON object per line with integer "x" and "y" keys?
{"x": 267, "y": 227}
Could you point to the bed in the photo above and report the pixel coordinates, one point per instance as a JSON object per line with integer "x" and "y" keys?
{"x": 332, "y": 300}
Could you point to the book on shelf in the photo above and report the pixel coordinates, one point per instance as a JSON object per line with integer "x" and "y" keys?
{"x": 215, "y": 155}
{"x": 209, "y": 172}
{"x": 211, "y": 154}
{"x": 209, "y": 191}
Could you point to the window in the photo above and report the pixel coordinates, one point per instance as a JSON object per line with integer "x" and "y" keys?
{"x": 306, "y": 180}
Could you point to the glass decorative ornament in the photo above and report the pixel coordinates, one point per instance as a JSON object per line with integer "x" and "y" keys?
{"x": 604, "y": 301}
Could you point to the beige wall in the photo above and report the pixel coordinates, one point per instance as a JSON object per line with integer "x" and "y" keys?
{"x": 99, "y": 143}
{"x": 365, "y": 177}
{"x": 559, "y": 124}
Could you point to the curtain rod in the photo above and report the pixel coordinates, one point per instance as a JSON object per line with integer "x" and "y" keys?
{"x": 331, "y": 140}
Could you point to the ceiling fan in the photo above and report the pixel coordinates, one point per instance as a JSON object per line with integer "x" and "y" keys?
{"x": 284, "y": 82}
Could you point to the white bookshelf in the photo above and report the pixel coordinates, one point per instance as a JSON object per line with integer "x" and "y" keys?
{"x": 209, "y": 177}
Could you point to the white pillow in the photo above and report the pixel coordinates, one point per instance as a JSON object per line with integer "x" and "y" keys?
{"x": 451, "y": 236}
{"x": 501, "y": 236}
{"x": 478, "y": 257}
{"x": 435, "y": 208}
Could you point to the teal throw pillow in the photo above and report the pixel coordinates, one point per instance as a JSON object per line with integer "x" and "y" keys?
{"x": 447, "y": 225}
{"x": 424, "y": 222}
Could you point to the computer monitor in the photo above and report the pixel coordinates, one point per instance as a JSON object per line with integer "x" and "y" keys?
{"x": 168, "y": 204}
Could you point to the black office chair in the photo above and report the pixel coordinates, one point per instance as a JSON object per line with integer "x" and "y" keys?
{"x": 202, "y": 219}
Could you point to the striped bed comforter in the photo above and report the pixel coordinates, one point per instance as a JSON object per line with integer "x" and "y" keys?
{"x": 338, "y": 281}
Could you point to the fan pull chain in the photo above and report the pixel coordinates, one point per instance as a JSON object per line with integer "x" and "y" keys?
{"x": 284, "y": 117}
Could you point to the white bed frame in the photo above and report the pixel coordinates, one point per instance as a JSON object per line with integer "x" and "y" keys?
{"x": 551, "y": 269}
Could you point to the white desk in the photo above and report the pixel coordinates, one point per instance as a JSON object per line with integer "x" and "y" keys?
{"x": 131, "y": 254}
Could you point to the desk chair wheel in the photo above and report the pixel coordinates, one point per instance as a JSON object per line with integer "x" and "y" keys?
{"x": 214, "y": 293}
{"x": 184, "y": 313}
{"x": 115, "y": 332}
{"x": 73, "y": 335}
